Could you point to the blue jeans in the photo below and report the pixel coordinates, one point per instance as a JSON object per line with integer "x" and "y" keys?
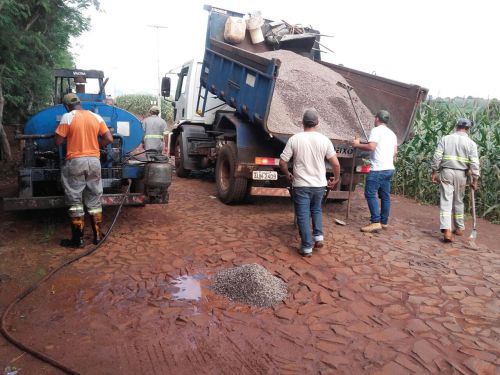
{"x": 379, "y": 182}
{"x": 307, "y": 201}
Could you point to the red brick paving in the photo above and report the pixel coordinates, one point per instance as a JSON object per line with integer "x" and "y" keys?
{"x": 397, "y": 302}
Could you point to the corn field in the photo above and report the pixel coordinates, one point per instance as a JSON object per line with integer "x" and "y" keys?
{"x": 436, "y": 119}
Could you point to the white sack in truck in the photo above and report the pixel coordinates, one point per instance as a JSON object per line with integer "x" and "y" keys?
{"x": 254, "y": 24}
{"x": 234, "y": 30}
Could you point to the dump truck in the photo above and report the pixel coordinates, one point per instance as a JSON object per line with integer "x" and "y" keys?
{"x": 39, "y": 175}
{"x": 222, "y": 109}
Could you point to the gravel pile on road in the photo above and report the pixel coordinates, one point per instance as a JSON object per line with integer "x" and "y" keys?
{"x": 251, "y": 284}
{"x": 303, "y": 83}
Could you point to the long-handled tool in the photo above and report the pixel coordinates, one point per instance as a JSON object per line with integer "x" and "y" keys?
{"x": 325, "y": 198}
{"x": 350, "y": 184}
{"x": 348, "y": 89}
{"x": 473, "y": 234}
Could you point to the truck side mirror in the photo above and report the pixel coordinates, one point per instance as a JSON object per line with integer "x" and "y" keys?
{"x": 165, "y": 87}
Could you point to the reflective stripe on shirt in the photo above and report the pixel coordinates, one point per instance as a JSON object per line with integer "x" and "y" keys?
{"x": 459, "y": 158}
{"x": 153, "y": 136}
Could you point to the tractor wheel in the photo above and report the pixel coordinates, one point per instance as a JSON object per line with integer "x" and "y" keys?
{"x": 230, "y": 189}
{"x": 180, "y": 171}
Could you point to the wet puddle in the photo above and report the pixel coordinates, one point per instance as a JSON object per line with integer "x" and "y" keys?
{"x": 189, "y": 287}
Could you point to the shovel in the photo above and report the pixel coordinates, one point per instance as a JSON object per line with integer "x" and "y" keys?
{"x": 337, "y": 221}
{"x": 473, "y": 234}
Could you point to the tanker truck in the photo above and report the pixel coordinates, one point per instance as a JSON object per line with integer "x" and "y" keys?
{"x": 39, "y": 176}
{"x": 226, "y": 106}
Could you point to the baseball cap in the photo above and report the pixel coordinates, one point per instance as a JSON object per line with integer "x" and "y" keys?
{"x": 154, "y": 109}
{"x": 71, "y": 99}
{"x": 383, "y": 116}
{"x": 464, "y": 122}
{"x": 310, "y": 117}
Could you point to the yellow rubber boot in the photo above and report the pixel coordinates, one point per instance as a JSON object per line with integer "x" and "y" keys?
{"x": 96, "y": 220}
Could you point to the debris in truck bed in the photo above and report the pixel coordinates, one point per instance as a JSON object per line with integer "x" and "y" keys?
{"x": 251, "y": 284}
{"x": 303, "y": 83}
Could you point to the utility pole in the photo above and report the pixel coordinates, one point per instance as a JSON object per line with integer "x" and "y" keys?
{"x": 158, "y": 60}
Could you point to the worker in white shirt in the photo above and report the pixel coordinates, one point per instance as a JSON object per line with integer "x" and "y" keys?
{"x": 383, "y": 145}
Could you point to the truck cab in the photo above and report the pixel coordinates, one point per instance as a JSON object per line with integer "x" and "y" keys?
{"x": 186, "y": 109}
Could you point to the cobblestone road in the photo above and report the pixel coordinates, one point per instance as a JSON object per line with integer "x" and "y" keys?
{"x": 397, "y": 302}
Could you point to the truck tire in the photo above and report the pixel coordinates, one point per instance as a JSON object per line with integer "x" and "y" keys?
{"x": 180, "y": 171}
{"x": 230, "y": 189}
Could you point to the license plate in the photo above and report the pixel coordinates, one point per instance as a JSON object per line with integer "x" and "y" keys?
{"x": 265, "y": 175}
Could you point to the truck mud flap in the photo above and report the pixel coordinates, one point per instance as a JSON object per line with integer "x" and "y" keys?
{"x": 42, "y": 203}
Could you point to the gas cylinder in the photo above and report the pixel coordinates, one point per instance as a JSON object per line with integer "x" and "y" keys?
{"x": 158, "y": 174}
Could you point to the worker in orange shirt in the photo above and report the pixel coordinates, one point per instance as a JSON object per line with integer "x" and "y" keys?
{"x": 81, "y": 173}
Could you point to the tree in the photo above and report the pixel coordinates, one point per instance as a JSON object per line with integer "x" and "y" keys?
{"x": 35, "y": 40}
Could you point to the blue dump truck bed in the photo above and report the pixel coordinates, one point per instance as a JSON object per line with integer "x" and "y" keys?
{"x": 245, "y": 80}
{"x": 242, "y": 79}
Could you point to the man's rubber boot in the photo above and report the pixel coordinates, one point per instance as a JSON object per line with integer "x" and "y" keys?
{"x": 96, "y": 220}
{"x": 447, "y": 235}
{"x": 76, "y": 241}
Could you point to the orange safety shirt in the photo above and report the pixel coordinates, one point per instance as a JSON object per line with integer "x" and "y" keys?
{"x": 81, "y": 128}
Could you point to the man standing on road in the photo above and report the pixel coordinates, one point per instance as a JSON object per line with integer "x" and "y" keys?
{"x": 81, "y": 173}
{"x": 383, "y": 145}
{"x": 456, "y": 154}
{"x": 155, "y": 130}
{"x": 309, "y": 150}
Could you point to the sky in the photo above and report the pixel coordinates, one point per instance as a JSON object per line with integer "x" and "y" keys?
{"x": 449, "y": 47}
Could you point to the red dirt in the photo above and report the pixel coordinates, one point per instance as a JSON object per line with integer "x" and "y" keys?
{"x": 397, "y": 302}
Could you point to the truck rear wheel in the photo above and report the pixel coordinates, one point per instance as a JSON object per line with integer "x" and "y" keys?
{"x": 180, "y": 171}
{"x": 230, "y": 189}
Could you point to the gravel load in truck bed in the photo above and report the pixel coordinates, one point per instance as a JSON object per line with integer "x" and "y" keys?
{"x": 303, "y": 83}
{"x": 251, "y": 284}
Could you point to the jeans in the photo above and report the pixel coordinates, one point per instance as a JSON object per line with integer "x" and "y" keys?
{"x": 379, "y": 182}
{"x": 307, "y": 201}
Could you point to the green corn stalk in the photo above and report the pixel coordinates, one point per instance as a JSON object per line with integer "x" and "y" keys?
{"x": 435, "y": 119}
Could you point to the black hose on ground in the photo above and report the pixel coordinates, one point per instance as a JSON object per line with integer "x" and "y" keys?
{"x": 32, "y": 288}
